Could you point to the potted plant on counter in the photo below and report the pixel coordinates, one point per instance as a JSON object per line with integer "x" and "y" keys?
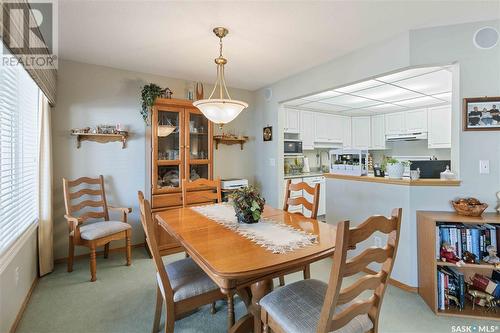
{"x": 395, "y": 168}
{"x": 248, "y": 204}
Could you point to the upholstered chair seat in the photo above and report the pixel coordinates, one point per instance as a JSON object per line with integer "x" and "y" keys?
{"x": 297, "y": 307}
{"x": 188, "y": 279}
{"x": 97, "y": 230}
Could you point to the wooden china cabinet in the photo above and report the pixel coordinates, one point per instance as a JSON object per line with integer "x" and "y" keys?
{"x": 185, "y": 153}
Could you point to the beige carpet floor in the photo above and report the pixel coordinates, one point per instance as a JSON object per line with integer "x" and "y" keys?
{"x": 122, "y": 301}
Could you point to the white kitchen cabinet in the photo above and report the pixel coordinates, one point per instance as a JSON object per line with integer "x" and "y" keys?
{"x": 378, "y": 132}
{"x": 346, "y": 132}
{"x": 395, "y": 123}
{"x": 292, "y": 121}
{"x": 328, "y": 128}
{"x": 307, "y": 130}
{"x": 321, "y": 127}
{"x": 439, "y": 126}
{"x": 416, "y": 121}
{"x": 335, "y": 131}
{"x": 361, "y": 132}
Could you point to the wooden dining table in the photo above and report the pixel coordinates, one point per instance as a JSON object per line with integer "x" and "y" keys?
{"x": 240, "y": 266}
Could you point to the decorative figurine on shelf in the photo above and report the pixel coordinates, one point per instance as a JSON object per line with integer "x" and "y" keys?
{"x": 470, "y": 258}
{"x": 450, "y": 298}
{"x": 482, "y": 299}
{"x": 447, "y": 254}
{"x": 166, "y": 93}
{"x": 492, "y": 257}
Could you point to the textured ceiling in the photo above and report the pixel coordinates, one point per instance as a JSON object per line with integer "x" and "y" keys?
{"x": 268, "y": 40}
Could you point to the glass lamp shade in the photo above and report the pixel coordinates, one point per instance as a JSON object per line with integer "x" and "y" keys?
{"x": 165, "y": 130}
{"x": 220, "y": 111}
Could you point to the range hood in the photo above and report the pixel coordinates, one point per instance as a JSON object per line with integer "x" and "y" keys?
{"x": 406, "y": 137}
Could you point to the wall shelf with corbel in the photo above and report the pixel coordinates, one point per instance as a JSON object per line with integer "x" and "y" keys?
{"x": 229, "y": 140}
{"x": 101, "y": 138}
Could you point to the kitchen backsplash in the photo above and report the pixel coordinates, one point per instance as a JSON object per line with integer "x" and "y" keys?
{"x": 410, "y": 148}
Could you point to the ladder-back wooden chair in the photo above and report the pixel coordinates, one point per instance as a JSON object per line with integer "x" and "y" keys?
{"x": 312, "y": 207}
{"x": 200, "y": 191}
{"x": 93, "y": 234}
{"x": 182, "y": 285}
{"x": 310, "y": 306}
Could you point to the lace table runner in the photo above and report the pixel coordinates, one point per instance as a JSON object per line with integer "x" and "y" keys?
{"x": 272, "y": 235}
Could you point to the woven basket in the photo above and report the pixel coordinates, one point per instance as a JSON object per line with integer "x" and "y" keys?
{"x": 469, "y": 210}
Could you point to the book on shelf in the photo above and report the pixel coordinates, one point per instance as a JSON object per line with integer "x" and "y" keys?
{"x": 472, "y": 238}
{"x": 450, "y": 282}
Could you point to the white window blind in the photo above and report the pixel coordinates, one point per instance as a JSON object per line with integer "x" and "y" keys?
{"x": 18, "y": 153}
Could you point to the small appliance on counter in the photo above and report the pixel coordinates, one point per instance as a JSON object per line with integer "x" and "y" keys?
{"x": 233, "y": 183}
{"x": 349, "y": 162}
{"x": 306, "y": 167}
{"x": 430, "y": 169}
{"x": 230, "y": 184}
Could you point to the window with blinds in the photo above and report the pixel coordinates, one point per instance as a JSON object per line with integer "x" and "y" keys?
{"x": 18, "y": 153}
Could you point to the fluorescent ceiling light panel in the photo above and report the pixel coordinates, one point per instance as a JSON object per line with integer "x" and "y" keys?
{"x": 387, "y": 93}
{"x": 422, "y": 101}
{"x": 324, "y": 106}
{"x": 429, "y": 84}
{"x": 350, "y": 101}
{"x": 407, "y": 74}
{"x": 385, "y": 108}
{"x": 359, "y": 86}
{"x": 445, "y": 96}
{"x": 323, "y": 95}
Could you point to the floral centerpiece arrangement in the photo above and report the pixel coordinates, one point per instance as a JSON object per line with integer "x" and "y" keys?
{"x": 248, "y": 204}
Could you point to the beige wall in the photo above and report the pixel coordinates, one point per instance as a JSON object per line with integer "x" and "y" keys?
{"x": 89, "y": 95}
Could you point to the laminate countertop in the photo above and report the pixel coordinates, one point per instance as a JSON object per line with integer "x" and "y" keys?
{"x": 404, "y": 181}
{"x": 305, "y": 174}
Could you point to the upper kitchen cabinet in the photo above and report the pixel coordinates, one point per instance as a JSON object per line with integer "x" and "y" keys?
{"x": 347, "y": 132}
{"x": 378, "y": 132}
{"x": 361, "y": 132}
{"x": 394, "y": 123}
{"x": 328, "y": 128}
{"x": 439, "y": 126}
{"x": 307, "y": 130}
{"x": 416, "y": 121}
{"x": 292, "y": 121}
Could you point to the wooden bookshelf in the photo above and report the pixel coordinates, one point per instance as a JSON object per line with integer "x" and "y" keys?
{"x": 428, "y": 264}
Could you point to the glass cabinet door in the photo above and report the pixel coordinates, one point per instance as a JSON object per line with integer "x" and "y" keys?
{"x": 168, "y": 149}
{"x": 198, "y": 147}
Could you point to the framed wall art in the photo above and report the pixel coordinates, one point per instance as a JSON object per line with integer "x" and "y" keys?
{"x": 481, "y": 114}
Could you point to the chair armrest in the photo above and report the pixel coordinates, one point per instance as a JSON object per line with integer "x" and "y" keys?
{"x": 73, "y": 223}
{"x": 123, "y": 210}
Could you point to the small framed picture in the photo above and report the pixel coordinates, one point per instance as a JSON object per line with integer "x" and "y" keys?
{"x": 267, "y": 133}
{"x": 482, "y": 114}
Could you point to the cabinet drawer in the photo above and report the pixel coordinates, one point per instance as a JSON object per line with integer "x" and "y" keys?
{"x": 167, "y": 200}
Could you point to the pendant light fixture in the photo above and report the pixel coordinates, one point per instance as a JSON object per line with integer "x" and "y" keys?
{"x": 221, "y": 109}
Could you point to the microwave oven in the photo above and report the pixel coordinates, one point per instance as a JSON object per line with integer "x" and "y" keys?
{"x": 293, "y": 147}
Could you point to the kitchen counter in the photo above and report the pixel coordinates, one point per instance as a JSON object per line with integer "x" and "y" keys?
{"x": 304, "y": 174}
{"x": 355, "y": 198}
{"x": 404, "y": 181}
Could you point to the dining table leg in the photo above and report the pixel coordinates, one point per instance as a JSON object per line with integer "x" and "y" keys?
{"x": 251, "y": 321}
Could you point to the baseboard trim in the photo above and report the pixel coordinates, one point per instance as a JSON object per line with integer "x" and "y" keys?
{"x": 395, "y": 283}
{"x": 20, "y": 313}
{"x": 98, "y": 253}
